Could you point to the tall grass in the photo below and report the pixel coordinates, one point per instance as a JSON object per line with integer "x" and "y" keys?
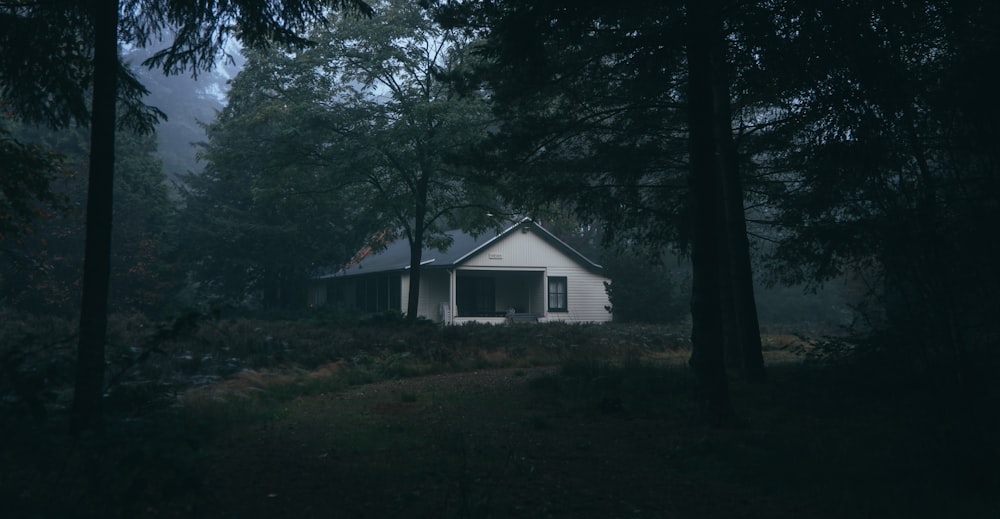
{"x": 221, "y": 372}
{"x": 173, "y": 385}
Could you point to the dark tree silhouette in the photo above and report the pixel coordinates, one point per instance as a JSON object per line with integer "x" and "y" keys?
{"x": 886, "y": 160}
{"x": 707, "y": 211}
{"x": 89, "y": 60}
{"x": 601, "y": 105}
{"x": 366, "y": 116}
{"x": 89, "y": 388}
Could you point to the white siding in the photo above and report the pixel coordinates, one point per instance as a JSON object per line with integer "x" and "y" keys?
{"x": 586, "y": 297}
{"x": 520, "y": 250}
{"x": 526, "y": 250}
{"x": 433, "y": 292}
{"x": 404, "y": 297}
{"x": 521, "y": 263}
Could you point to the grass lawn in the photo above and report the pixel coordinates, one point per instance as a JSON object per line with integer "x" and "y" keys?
{"x": 598, "y": 429}
{"x": 592, "y": 439}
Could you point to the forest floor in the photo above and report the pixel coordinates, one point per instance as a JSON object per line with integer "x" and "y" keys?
{"x": 592, "y": 440}
{"x": 487, "y": 423}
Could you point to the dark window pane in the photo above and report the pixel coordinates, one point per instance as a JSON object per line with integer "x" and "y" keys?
{"x": 395, "y": 290}
{"x": 557, "y": 294}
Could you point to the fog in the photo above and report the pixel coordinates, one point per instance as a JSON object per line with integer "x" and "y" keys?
{"x": 189, "y": 103}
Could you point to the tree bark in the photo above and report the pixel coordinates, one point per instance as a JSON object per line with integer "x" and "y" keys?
{"x": 417, "y": 246}
{"x": 707, "y": 353}
{"x": 743, "y": 332}
{"x": 87, "y": 408}
{"x": 416, "y": 253}
{"x": 744, "y": 304}
{"x": 731, "y": 338}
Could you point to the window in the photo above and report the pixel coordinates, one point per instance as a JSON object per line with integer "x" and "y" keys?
{"x": 557, "y": 294}
{"x": 378, "y": 294}
{"x": 476, "y": 297}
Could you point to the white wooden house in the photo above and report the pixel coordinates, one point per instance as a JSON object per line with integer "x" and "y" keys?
{"x": 524, "y": 273}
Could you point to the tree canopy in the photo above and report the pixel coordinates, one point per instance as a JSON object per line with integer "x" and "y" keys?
{"x": 43, "y": 268}
{"x": 625, "y": 111}
{"x": 882, "y": 165}
{"x": 365, "y": 117}
{"x": 265, "y": 213}
{"x": 854, "y": 133}
{"x": 75, "y": 53}
{"x": 855, "y": 140}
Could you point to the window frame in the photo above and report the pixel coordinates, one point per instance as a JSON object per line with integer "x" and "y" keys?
{"x": 558, "y": 282}
{"x": 378, "y": 293}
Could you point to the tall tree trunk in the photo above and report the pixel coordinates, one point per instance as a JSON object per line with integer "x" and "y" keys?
{"x": 743, "y": 332}
{"x": 747, "y": 325}
{"x": 416, "y": 252}
{"x": 87, "y": 410}
{"x": 731, "y": 338}
{"x": 417, "y": 245}
{"x": 707, "y": 353}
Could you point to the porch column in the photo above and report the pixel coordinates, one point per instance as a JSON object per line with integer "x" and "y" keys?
{"x": 543, "y": 295}
{"x": 452, "y": 278}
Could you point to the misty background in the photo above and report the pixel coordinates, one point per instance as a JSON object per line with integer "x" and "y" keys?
{"x": 192, "y": 102}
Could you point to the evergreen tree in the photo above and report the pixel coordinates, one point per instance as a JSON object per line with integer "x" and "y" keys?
{"x": 266, "y": 213}
{"x": 364, "y": 117}
{"x": 887, "y": 167}
{"x": 72, "y": 50}
{"x": 625, "y": 110}
{"x": 44, "y": 274}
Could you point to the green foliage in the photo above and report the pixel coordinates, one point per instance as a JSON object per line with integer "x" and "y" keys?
{"x": 73, "y": 51}
{"x": 35, "y": 365}
{"x": 25, "y": 187}
{"x": 147, "y": 363}
{"x": 36, "y": 81}
{"x": 262, "y": 217}
{"x": 884, "y": 170}
{"x": 817, "y": 311}
{"x": 323, "y": 147}
{"x": 394, "y": 320}
{"x": 814, "y": 441}
{"x": 620, "y": 385}
{"x": 644, "y": 290}
{"x": 588, "y": 102}
{"x": 253, "y": 243}
{"x": 145, "y": 457}
{"x": 44, "y": 275}
{"x": 860, "y": 130}
{"x": 46, "y": 68}
{"x": 267, "y": 212}
{"x": 152, "y": 463}
{"x": 187, "y": 102}
{"x": 817, "y": 432}
{"x": 150, "y": 362}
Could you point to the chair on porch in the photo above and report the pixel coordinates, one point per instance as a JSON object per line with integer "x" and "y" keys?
{"x": 513, "y": 316}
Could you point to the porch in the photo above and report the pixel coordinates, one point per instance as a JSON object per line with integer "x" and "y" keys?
{"x": 497, "y": 296}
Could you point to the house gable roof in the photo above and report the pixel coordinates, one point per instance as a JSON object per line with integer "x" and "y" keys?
{"x": 396, "y": 256}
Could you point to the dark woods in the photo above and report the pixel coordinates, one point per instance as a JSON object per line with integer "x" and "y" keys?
{"x": 852, "y": 141}
{"x": 777, "y": 142}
